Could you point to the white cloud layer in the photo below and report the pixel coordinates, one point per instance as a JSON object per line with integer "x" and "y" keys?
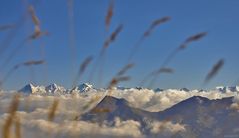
{"x": 33, "y": 111}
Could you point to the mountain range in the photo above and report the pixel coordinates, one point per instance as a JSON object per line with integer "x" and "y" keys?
{"x": 85, "y": 87}
{"x": 54, "y": 89}
{"x": 201, "y": 117}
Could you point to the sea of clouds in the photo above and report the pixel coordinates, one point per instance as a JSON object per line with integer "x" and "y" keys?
{"x": 33, "y": 112}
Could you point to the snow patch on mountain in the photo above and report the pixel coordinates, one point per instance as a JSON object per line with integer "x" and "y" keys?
{"x": 225, "y": 89}
{"x": 54, "y": 88}
{"x": 31, "y": 89}
{"x": 85, "y": 87}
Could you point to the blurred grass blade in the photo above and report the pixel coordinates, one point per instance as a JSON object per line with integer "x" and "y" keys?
{"x": 35, "y": 19}
{"x": 156, "y": 74}
{"x": 113, "y": 36}
{"x": 192, "y": 38}
{"x": 33, "y": 62}
{"x": 17, "y": 127}
{"x": 7, "y": 27}
{"x": 214, "y": 71}
{"x": 82, "y": 69}
{"x": 125, "y": 69}
{"x": 27, "y": 63}
{"x": 156, "y": 23}
{"x": 9, "y": 120}
{"x": 109, "y": 15}
{"x": 146, "y": 34}
{"x": 52, "y": 110}
{"x": 165, "y": 70}
{"x": 117, "y": 80}
{"x": 100, "y": 61}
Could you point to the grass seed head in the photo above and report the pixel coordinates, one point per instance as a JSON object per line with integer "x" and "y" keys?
{"x": 109, "y": 14}
{"x": 113, "y": 36}
{"x": 214, "y": 70}
{"x": 192, "y": 38}
{"x": 156, "y": 23}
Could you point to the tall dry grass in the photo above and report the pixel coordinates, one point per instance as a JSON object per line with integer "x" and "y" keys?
{"x": 53, "y": 109}
{"x": 15, "y": 28}
{"x": 214, "y": 71}
{"x": 6, "y": 129}
{"x": 183, "y": 46}
{"x": 82, "y": 69}
{"x": 18, "y": 133}
{"x": 101, "y": 59}
{"x": 35, "y": 19}
{"x": 125, "y": 69}
{"x": 37, "y": 28}
{"x": 118, "y": 78}
{"x": 107, "y": 43}
{"x": 146, "y": 34}
{"x": 35, "y": 35}
{"x": 72, "y": 35}
{"x": 111, "y": 38}
{"x": 155, "y": 74}
{"x": 109, "y": 15}
{"x": 6, "y": 43}
{"x": 27, "y": 64}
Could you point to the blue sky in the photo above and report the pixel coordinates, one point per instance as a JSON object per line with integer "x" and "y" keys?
{"x": 218, "y": 17}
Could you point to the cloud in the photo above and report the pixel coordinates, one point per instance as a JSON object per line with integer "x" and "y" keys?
{"x": 67, "y": 128}
{"x": 33, "y": 111}
{"x": 166, "y": 127}
{"x": 151, "y": 101}
{"x": 235, "y": 104}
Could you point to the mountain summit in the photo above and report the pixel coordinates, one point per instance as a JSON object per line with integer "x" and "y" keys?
{"x": 228, "y": 89}
{"x": 31, "y": 89}
{"x": 85, "y": 87}
{"x": 111, "y": 107}
{"x": 201, "y": 116}
{"x": 54, "y": 88}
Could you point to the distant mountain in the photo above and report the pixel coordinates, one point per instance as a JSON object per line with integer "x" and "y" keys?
{"x": 185, "y": 89}
{"x": 85, "y": 87}
{"x": 158, "y": 90}
{"x": 202, "y": 117}
{"x": 139, "y": 88}
{"x": 31, "y": 89}
{"x": 120, "y": 88}
{"x": 228, "y": 89}
{"x": 54, "y": 88}
{"x": 161, "y": 90}
{"x": 111, "y": 107}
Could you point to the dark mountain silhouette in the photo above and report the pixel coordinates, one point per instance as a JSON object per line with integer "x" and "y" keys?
{"x": 201, "y": 116}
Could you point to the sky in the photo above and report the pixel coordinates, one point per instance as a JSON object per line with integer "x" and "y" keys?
{"x": 188, "y": 17}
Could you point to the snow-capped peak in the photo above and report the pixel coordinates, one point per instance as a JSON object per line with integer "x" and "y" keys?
{"x": 228, "y": 89}
{"x": 31, "y": 89}
{"x": 184, "y": 89}
{"x": 83, "y": 87}
{"x": 53, "y": 88}
{"x": 158, "y": 90}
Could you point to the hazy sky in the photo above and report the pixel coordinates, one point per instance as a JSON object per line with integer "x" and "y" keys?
{"x": 218, "y": 17}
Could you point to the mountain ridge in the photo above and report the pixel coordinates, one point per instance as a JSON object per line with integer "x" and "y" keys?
{"x": 86, "y": 87}
{"x": 200, "y": 115}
